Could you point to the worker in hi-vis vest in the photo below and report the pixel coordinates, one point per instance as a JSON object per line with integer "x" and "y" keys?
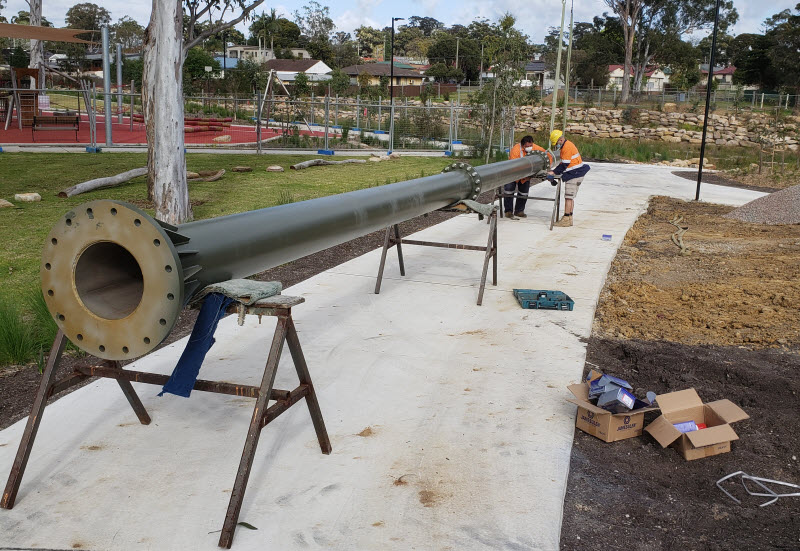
{"x": 572, "y": 169}
{"x": 520, "y": 188}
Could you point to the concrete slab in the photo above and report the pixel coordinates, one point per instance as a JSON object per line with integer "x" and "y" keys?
{"x": 448, "y": 420}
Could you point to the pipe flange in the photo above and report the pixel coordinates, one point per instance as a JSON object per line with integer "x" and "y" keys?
{"x": 469, "y": 170}
{"x": 112, "y": 279}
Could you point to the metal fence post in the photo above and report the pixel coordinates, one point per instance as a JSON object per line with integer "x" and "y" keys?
{"x": 327, "y": 126}
{"x": 312, "y": 108}
{"x": 119, "y": 83}
{"x": 452, "y": 121}
{"x": 358, "y": 111}
{"x": 380, "y": 112}
{"x": 132, "y": 104}
{"x": 336, "y": 111}
{"x": 106, "y": 86}
{"x": 258, "y": 121}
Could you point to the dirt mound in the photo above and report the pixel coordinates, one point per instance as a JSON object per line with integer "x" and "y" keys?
{"x": 737, "y": 285}
{"x": 781, "y": 207}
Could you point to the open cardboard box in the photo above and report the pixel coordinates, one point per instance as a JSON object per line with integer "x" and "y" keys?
{"x": 686, "y": 405}
{"x": 601, "y": 423}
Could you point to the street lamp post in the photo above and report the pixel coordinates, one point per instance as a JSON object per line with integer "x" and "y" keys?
{"x": 391, "y": 87}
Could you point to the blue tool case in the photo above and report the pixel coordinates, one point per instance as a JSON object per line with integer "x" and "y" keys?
{"x": 548, "y": 300}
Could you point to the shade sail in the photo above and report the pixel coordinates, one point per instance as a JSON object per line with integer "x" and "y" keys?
{"x": 9, "y": 30}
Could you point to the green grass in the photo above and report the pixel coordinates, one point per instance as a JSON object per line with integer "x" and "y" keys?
{"x": 23, "y": 229}
{"x": 17, "y": 334}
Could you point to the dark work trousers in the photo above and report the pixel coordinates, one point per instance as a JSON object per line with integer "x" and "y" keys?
{"x": 521, "y": 193}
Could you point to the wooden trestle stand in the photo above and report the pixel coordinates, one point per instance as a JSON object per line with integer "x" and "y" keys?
{"x": 278, "y": 306}
{"x": 490, "y": 249}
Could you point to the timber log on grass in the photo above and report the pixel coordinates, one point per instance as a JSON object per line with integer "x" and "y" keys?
{"x": 115, "y": 279}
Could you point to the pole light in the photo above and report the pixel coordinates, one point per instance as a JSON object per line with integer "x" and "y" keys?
{"x": 708, "y": 99}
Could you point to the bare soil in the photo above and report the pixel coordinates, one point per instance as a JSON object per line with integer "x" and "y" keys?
{"x": 724, "y": 320}
{"x": 737, "y": 286}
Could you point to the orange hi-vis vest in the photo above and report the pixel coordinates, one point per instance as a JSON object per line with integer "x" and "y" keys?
{"x": 570, "y": 156}
{"x": 517, "y": 153}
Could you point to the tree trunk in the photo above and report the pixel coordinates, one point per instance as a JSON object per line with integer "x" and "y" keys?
{"x": 37, "y": 51}
{"x": 162, "y": 104}
{"x": 99, "y": 183}
{"x": 626, "y": 67}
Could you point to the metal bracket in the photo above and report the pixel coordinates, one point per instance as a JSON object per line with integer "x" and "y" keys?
{"x": 472, "y": 174}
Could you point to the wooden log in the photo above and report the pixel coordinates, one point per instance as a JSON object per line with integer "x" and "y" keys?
{"x": 212, "y": 178}
{"x": 100, "y": 183}
{"x": 324, "y": 162}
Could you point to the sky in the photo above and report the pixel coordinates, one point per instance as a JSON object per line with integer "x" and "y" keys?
{"x": 534, "y": 17}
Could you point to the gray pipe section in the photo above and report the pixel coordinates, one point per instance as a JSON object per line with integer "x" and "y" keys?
{"x": 115, "y": 280}
{"x": 244, "y": 244}
{"x": 107, "y": 86}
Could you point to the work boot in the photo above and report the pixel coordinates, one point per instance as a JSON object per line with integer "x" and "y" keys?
{"x": 520, "y": 215}
{"x": 510, "y": 215}
{"x": 565, "y": 222}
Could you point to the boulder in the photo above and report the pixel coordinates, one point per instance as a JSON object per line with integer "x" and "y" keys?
{"x": 375, "y": 159}
{"x": 394, "y": 155}
{"x": 190, "y": 175}
{"x": 225, "y": 138}
{"x": 274, "y": 168}
{"x": 27, "y": 197}
{"x": 242, "y": 169}
{"x": 5, "y": 204}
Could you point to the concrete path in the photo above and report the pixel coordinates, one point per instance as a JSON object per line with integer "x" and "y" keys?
{"x": 449, "y": 424}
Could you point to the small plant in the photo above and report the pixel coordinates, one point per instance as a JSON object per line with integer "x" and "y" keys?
{"x": 285, "y": 197}
{"x": 17, "y": 337}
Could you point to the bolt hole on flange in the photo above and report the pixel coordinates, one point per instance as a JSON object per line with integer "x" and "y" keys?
{"x": 109, "y": 280}
{"x": 101, "y": 348}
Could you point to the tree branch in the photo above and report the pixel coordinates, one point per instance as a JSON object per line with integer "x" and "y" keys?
{"x": 214, "y": 30}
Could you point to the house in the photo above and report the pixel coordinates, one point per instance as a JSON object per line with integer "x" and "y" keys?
{"x": 261, "y": 54}
{"x": 536, "y": 72}
{"x": 723, "y": 75}
{"x": 288, "y": 69}
{"x": 402, "y": 76}
{"x": 654, "y": 78}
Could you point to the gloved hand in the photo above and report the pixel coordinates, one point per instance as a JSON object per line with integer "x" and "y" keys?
{"x": 552, "y": 180}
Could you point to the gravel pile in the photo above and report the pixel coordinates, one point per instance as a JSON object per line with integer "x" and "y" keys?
{"x": 780, "y": 207}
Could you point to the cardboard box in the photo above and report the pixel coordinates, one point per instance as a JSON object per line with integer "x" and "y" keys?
{"x": 686, "y": 405}
{"x": 601, "y": 423}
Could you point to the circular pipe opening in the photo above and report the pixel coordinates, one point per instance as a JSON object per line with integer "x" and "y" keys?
{"x": 109, "y": 280}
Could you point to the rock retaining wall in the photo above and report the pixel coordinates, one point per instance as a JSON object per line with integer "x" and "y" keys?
{"x": 736, "y": 130}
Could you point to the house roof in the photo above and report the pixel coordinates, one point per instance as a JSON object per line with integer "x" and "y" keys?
{"x": 379, "y": 70}
{"x": 397, "y": 64}
{"x": 718, "y": 70}
{"x": 291, "y": 65}
{"x": 648, "y": 71}
{"x": 535, "y": 66}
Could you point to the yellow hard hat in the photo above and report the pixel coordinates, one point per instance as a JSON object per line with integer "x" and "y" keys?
{"x": 554, "y": 136}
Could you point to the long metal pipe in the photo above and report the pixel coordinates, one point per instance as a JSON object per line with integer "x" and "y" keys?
{"x": 115, "y": 279}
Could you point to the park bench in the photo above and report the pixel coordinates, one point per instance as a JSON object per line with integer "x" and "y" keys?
{"x": 56, "y": 122}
